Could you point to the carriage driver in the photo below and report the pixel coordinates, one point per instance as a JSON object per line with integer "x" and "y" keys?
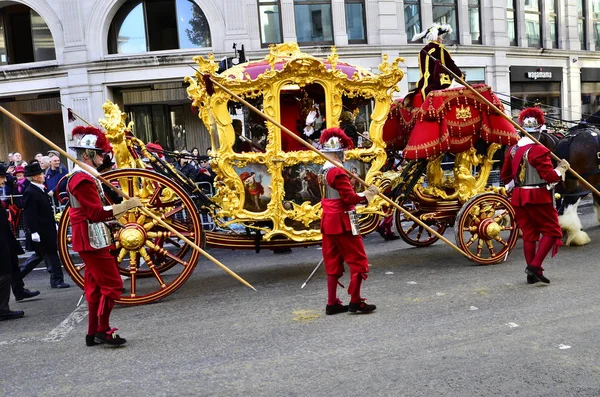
{"x": 433, "y": 77}
{"x": 342, "y": 241}
{"x": 92, "y": 239}
{"x": 529, "y": 173}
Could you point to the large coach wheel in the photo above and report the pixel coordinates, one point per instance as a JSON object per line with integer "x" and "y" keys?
{"x": 486, "y": 228}
{"x": 154, "y": 260}
{"x": 413, "y": 233}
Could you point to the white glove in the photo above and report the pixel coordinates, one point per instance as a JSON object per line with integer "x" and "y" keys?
{"x": 562, "y": 168}
{"x": 120, "y": 209}
{"x": 510, "y": 186}
{"x": 35, "y": 237}
{"x": 371, "y": 192}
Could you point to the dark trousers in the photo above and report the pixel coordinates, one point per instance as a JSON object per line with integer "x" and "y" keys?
{"x": 4, "y": 294}
{"x": 52, "y": 264}
{"x": 16, "y": 280}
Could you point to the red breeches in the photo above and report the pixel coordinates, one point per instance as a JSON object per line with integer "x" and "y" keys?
{"x": 536, "y": 219}
{"x": 340, "y": 248}
{"x": 102, "y": 276}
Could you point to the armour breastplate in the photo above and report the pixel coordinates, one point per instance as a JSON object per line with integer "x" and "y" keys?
{"x": 327, "y": 192}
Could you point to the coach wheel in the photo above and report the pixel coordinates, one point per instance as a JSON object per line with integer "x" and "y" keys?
{"x": 413, "y": 233}
{"x": 486, "y": 229}
{"x": 154, "y": 260}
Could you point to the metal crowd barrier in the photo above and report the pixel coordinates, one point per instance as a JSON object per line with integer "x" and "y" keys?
{"x": 21, "y": 229}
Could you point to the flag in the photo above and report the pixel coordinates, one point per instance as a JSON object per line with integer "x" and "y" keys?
{"x": 70, "y": 115}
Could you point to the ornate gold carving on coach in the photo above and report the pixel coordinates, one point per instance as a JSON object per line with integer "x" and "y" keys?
{"x": 464, "y": 184}
{"x": 287, "y": 65}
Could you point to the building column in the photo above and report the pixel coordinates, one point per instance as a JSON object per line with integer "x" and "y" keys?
{"x": 493, "y": 23}
{"x": 372, "y": 17}
{"x": 389, "y": 28}
{"x": 498, "y": 77}
{"x": 288, "y": 21}
{"x": 338, "y": 14}
{"x": 426, "y": 14}
{"x": 464, "y": 31}
{"x": 520, "y": 23}
{"x": 569, "y": 37}
{"x": 571, "y": 100}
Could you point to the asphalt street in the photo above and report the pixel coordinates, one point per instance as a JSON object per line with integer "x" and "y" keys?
{"x": 443, "y": 327}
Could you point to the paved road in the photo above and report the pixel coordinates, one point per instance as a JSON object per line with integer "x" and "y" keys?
{"x": 443, "y": 327}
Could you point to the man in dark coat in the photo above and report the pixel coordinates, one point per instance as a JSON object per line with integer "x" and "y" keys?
{"x": 41, "y": 223}
{"x": 8, "y": 244}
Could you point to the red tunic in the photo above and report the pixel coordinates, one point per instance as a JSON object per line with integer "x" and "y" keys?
{"x": 84, "y": 188}
{"x": 539, "y": 158}
{"x": 339, "y": 244}
{"x": 102, "y": 278}
{"x": 334, "y": 219}
{"x": 534, "y": 208}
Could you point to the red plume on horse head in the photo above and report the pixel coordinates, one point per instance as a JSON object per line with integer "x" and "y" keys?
{"x": 533, "y": 112}
{"x": 335, "y": 139}
{"x": 84, "y": 135}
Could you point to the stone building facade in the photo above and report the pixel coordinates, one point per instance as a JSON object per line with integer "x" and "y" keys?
{"x": 137, "y": 52}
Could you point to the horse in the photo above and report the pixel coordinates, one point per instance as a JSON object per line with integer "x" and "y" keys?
{"x": 581, "y": 148}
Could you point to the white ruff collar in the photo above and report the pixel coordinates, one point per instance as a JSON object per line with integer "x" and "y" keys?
{"x": 525, "y": 141}
{"x": 77, "y": 168}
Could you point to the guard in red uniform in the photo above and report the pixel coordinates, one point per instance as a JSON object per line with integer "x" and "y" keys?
{"x": 92, "y": 239}
{"x": 342, "y": 241}
{"x": 529, "y": 172}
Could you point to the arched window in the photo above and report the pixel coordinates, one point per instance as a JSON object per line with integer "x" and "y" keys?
{"x": 24, "y": 36}
{"x": 155, "y": 25}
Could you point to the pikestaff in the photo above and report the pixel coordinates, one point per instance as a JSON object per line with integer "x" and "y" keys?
{"x": 209, "y": 81}
{"x": 517, "y": 126}
{"x": 124, "y": 195}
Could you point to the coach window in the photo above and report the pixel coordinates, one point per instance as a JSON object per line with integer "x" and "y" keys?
{"x": 444, "y": 13}
{"x": 270, "y": 22}
{"x": 314, "y": 24}
{"x": 412, "y": 19}
{"x": 355, "y": 22}
{"x": 155, "y": 25}
{"x": 24, "y": 36}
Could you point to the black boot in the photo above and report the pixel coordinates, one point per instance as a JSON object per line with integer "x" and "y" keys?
{"x": 25, "y": 294}
{"x": 362, "y": 307}
{"x": 335, "y": 309}
{"x": 537, "y": 274}
{"x": 90, "y": 340}
{"x": 531, "y": 279}
{"x": 12, "y": 315}
{"x": 110, "y": 338}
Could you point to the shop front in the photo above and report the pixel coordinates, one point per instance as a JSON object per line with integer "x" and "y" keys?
{"x": 162, "y": 113}
{"x": 531, "y": 85}
{"x": 590, "y": 92}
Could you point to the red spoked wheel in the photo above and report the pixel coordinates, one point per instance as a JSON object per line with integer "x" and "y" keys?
{"x": 413, "y": 233}
{"x": 154, "y": 260}
{"x": 486, "y": 228}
